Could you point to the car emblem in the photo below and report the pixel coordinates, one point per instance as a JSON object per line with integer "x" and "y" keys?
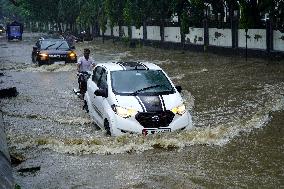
{"x": 155, "y": 118}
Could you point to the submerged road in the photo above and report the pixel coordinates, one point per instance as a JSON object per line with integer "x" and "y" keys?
{"x": 237, "y": 140}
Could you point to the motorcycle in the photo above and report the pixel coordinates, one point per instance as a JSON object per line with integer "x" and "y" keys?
{"x": 82, "y": 80}
{"x": 84, "y": 36}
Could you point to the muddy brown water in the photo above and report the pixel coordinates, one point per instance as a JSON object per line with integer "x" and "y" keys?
{"x": 237, "y": 108}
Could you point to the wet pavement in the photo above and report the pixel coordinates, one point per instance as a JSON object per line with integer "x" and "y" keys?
{"x": 237, "y": 107}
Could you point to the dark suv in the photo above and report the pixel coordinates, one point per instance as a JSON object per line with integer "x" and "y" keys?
{"x": 2, "y": 29}
{"x": 51, "y": 50}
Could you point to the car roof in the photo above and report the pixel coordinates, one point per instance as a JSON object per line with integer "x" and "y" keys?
{"x": 115, "y": 66}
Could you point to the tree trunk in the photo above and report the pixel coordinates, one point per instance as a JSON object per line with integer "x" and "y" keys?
{"x": 144, "y": 31}
{"x": 162, "y": 31}
{"x": 120, "y": 31}
{"x": 103, "y": 37}
{"x": 111, "y": 33}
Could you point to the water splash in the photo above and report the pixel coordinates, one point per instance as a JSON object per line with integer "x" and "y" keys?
{"x": 121, "y": 56}
{"x": 219, "y": 135}
{"x": 98, "y": 143}
{"x": 160, "y": 62}
{"x": 178, "y": 77}
{"x": 188, "y": 99}
{"x": 51, "y": 68}
{"x": 13, "y": 66}
{"x": 58, "y": 119}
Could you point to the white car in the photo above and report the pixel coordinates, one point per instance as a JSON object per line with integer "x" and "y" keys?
{"x": 135, "y": 97}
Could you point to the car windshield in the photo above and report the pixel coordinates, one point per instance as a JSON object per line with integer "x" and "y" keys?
{"x": 54, "y": 45}
{"x": 134, "y": 82}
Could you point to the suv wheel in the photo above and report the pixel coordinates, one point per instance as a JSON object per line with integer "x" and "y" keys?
{"x": 40, "y": 63}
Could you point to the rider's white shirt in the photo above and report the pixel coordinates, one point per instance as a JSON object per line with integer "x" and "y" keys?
{"x": 85, "y": 65}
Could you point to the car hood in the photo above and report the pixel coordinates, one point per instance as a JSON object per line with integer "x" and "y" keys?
{"x": 53, "y": 51}
{"x": 150, "y": 103}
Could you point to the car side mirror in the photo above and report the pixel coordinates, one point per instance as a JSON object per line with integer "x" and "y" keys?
{"x": 34, "y": 48}
{"x": 179, "y": 88}
{"x": 101, "y": 92}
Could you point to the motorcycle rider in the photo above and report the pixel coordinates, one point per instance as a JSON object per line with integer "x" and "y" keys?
{"x": 71, "y": 39}
{"x": 85, "y": 64}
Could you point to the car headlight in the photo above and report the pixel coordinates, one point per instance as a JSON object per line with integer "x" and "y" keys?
{"x": 179, "y": 109}
{"x": 72, "y": 54}
{"x": 43, "y": 54}
{"x": 124, "y": 112}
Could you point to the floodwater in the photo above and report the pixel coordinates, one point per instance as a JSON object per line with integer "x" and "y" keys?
{"x": 238, "y": 116}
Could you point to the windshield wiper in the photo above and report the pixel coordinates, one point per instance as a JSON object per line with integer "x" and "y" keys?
{"x": 59, "y": 46}
{"x": 49, "y": 46}
{"x": 151, "y": 87}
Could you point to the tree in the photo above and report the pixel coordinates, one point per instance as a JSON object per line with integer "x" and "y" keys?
{"x": 196, "y": 13}
{"x": 14, "y": 2}
{"x": 114, "y": 11}
{"x": 68, "y": 11}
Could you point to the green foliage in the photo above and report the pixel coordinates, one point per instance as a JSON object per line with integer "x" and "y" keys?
{"x": 196, "y": 13}
{"x": 17, "y": 186}
{"x": 68, "y": 10}
{"x": 127, "y": 12}
{"x": 126, "y": 41}
{"x": 250, "y": 14}
{"x": 137, "y": 12}
{"x": 114, "y": 11}
{"x": 184, "y": 23}
{"x": 244, "y": 20}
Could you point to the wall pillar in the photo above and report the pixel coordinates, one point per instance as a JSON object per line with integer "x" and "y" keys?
{"x": 144, "y": 31}
{"x": 269, "y": 36}
{"x": 206, "y": 34}
{"x": 235, "y": 33}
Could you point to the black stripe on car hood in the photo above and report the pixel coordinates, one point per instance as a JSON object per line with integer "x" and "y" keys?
{"x": 152, "y": 103}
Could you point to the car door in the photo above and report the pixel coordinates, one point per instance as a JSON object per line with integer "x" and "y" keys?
{"x": 99, "y": 100}
{"x": 93, "y": 85}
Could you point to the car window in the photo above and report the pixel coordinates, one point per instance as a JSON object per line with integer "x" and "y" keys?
{"x": 140, "y": 82}
{"x": 103, "y": 80}
{"x": 97, "y": 74}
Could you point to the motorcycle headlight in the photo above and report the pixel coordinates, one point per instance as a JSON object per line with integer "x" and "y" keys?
{"x": 124, "y": 112}
{"x": 179, "y": 109}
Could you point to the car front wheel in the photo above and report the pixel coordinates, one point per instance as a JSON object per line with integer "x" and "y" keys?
{"x": 107, "y": 127}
